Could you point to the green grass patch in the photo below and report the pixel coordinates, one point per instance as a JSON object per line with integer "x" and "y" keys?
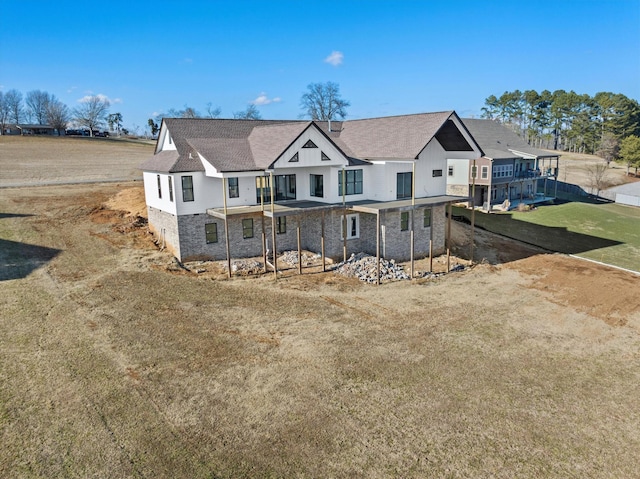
{"x": 604, "y": 232}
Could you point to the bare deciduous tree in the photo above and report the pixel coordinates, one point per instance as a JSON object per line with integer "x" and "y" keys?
{"x": 4, "y": 113}
{"x": 322, "y": 101}
{"x": 58, "y": 114}
{"x": 251, "y": 113}
{"x": 13, "y": 100}
{"x": 597, "y": 176}
{"x": 37, "y": 102}
{"x": 92, "y": 112}
{"x": 213, "y": 112}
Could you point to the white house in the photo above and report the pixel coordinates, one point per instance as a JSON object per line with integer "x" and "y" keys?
{"x": 220, "y": 188}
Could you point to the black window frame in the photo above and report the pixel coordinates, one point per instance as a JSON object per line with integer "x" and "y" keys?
{"x": 281, "y": 225}
{"x": 436, "y": 173}
{"x": 247, "y": 228}
{"x": 313, "y": 185}
{"x": 354, "y": 180}
{"x": 211, "y": 236}
{"x": 403, "y": 180}
{"x": 170, "y": 178}
{"x": 233, "y": 187}
{"x": 309, "y": 144}
{"x": 187, "y": 189}
{"x": 159, "y": 187}
{"x": 404, "y": 221}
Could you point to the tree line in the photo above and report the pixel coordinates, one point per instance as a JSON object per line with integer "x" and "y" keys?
{"x": 568, "y": 121}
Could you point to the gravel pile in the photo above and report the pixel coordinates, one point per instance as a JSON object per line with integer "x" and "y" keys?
{"x": 308, "y": 259}
{"x": 363, "y": 267}
{"x": 244, "y": 266}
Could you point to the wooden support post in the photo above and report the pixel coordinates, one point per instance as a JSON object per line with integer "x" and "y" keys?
{"x": 273, "y": 227}
{"x": 226, "y": 225}
{"x": 324, "y": 264}
{"x": 299, "y": 248}
{"x": 260, "y": 184}
{"x": 431, "y": 240}
{"x": 378, "y": 247}
{"x": 344, "y": 215}
{"x": 449, "y": 240}
{"x": 473, "y": 207}
{"x": 412, "y": 247}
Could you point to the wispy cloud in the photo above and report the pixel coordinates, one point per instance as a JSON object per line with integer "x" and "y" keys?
{"x": 72, "y": 89}
{"x": 335, "y": 58}
{"x": 263, "y": 99}
{"x": 102, "y": 97}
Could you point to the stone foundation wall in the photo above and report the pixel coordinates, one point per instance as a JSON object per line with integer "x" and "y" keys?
{"x": 185, "y": 235}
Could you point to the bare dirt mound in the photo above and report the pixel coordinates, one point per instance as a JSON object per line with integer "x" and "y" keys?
{"x": 130, "y": 200}
{"x": 599, "y": 291}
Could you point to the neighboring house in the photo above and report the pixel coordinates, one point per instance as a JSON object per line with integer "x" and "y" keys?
{"x": 510, "y": 171}
{"x": 219, "y": 188}
{"x": 24, "y": 129}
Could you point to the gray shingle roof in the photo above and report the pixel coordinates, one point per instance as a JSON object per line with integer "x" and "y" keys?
{"x": 499, "y": 142}
{"x": 391, "y": 137}
{"x": 246, "y": 145}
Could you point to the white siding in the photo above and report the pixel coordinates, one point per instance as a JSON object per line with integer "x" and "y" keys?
{"x": 150, "y": 180}
{"x": 460, "y": 172}
{"x": 310, "y": 157}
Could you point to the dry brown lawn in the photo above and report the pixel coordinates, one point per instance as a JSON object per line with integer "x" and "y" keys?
{"x": 37, "y": 161}
{"x": 113, "y": 363}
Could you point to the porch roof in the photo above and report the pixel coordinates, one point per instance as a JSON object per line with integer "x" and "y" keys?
{"x": 363, "y": 206}
{"x": 404, "y": 205}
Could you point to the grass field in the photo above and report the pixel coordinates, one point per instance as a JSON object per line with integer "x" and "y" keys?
{"x": 605, "y": 232}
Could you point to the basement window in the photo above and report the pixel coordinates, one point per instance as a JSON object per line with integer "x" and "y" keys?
{"x": 404, "y": 221}
{"x": 211, "y": 232}
{"x": 281, "y": 225}
{"x": 247, "y": 228}
{"x": 427, "y": 218}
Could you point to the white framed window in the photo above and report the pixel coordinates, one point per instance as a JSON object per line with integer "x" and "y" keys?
{"x": 353, "y": 226}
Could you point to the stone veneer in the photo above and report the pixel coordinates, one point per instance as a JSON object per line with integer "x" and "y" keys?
{"x": 185, "y": 235}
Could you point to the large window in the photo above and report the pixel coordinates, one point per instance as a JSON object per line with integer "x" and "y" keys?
{"x": 211, "y": 232}
{"x": 503, "y": 171}
{"x": 159, "y": 187}
{"x": 247, "y": 228}
{"x": 285, "y": 188}
{"x": 404, "y": 185}
{"x": 171, "y": 189}
{"x": 234, "y": 191}
{"x": 353, "y": 180}
{"x": 427, "y": 218}
{"x": 187, "y": 188}
{"x": 316, "y": 188}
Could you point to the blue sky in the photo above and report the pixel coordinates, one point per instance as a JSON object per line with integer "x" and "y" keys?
{"x": 388, "y": 57}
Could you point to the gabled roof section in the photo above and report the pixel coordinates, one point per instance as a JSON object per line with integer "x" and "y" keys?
{"x": 390, "y": 137}
{"x": 269, "y": 142}
{"x": 499, "y": 142}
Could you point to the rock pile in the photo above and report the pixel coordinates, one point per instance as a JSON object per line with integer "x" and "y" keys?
{"x": 308, "y": 259}
{"x": 363, "y": 267}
